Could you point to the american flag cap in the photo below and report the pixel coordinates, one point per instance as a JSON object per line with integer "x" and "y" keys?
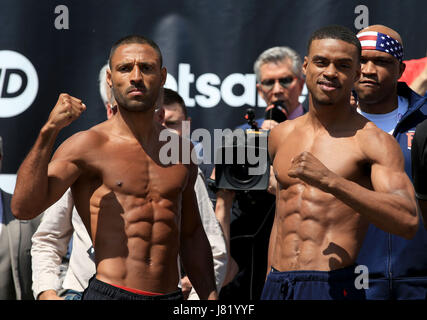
{"x": 372, "y": 40}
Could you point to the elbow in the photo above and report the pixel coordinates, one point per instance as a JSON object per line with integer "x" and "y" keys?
{"x": 20, "y": 212}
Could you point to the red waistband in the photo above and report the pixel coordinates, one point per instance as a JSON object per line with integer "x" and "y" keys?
{"x": 145, "y": 293}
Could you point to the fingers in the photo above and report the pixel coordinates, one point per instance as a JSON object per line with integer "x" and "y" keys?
{"x": 299, "y": 164}
{"x": 66, "y": 110}
{"x": 71, "y": 106}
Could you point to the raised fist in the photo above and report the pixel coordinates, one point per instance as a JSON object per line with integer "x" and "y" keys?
{"x": 66, "y": 110}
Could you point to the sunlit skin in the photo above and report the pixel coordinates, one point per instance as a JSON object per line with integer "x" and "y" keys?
{"x": 139, "y": 212}
{"x": 336, "y": 172}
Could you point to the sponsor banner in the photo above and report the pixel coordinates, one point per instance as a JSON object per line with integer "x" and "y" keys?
{"x": 209, "y": 47}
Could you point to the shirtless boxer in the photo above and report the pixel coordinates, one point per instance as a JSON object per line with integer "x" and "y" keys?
{"x": 140, "y": 212}
{"x": 336, "y": 172}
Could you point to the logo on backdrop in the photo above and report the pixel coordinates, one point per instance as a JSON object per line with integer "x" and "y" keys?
{"x": 210, "y": 89}
{"x": 18, "y": 83}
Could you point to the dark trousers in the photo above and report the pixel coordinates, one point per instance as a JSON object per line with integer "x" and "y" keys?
{"x": 312, "y": 285}
{"x": 99, "y": 290}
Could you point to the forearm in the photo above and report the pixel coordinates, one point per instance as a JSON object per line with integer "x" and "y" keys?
{"x": 197, "y": 259}
{"x": 392, "y": 212}
{"x": 47, "y": 253}
{"x": 222, "y": 213}
{"x": 32, "y": 179}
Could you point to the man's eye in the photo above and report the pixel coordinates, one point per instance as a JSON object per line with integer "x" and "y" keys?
{"x": 381, "y": 61}
{"x": 320, "y": 63}
{"x": 146, "y": 68}
{"x": 269, "y": 82}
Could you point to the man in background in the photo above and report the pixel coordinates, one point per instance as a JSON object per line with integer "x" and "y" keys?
{"x": 15, "y": 245}
{"x": 397, "y": 267}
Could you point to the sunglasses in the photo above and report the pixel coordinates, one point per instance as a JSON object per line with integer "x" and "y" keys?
{"x": 285, "y": 82}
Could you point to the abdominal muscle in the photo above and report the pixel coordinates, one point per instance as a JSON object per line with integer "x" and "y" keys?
{"x": 136, "y": 242}
{"x": 315, "y": 231}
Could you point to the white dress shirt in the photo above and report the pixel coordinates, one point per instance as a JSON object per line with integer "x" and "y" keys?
{"x": 50, "y": 243}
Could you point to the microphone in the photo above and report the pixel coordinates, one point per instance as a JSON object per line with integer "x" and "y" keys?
{"x": 277, "y": 112}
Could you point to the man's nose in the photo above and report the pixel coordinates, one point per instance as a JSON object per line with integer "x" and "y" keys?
{"x": 368, "y": 68}
{"x": 330, "y": 71}
{"x": 277, "y": 88}
{"x": 136, "y": 75}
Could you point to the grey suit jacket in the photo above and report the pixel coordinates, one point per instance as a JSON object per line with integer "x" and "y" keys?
{"x": 19, "y": 234}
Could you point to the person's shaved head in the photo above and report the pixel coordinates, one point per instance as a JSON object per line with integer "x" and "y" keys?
{"x": 383, "y": 29}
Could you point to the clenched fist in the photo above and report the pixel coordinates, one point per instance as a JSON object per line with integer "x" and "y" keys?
{"x": 311, "y": 170}
{"x": 66, "y": 110}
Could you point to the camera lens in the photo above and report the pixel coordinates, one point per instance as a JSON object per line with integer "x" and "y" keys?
{"x": 238, "y": 176}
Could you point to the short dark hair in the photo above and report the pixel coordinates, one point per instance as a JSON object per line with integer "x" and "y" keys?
{"x": 336, "y": 32}
{"x": 171, "y": 97}
{"x": 135, "y": 39}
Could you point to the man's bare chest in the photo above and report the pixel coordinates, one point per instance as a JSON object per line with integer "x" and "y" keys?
{"x": 340, "y": 155}
{"x": 132, "y": 171}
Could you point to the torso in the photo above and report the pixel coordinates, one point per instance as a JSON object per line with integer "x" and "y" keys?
{"x": 316, "y": 231}
{"x": 130, "y": 203}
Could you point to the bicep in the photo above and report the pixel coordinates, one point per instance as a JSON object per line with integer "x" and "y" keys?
{"x": 63, "y": 170}
{"x": 388, "y": 168}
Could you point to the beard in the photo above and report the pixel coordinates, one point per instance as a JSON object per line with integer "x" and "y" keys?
{"x": 142, "y": 103}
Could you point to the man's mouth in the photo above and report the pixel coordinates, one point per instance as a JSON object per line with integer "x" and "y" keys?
{"x": 328, "y": 85}
{"x": 135, "y": 92}
{"x": 368, "y": 83}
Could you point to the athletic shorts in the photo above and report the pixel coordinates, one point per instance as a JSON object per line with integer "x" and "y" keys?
{"x": 99, "y": 290}
{"x": 312, "y": 285}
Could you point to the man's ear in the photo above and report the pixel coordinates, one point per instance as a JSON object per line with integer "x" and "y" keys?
{"x": 109, "y": 82}
{"x": 164, "y": 74}
{"x": 402, "y": 67}
{"x": 304, "y": 65}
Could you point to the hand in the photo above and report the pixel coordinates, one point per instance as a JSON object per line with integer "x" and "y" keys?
{"x": 186, "y": 287}
{"x": 66, "y": 110}
{"x": 269, "y": 124}
{"x": 272, "y": 182}
{"x": 309, "y": 169}
{"x": 49, "y": 295}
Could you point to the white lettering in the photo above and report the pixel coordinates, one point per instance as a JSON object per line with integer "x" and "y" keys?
{"x": 62, "y": 21}
{"x": 248, "y": 82}
{"x": 211, "y": 95}
{"x": 185, "y": 77}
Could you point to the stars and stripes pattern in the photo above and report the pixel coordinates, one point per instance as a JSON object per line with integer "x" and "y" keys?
{"x": 372, "y": 40}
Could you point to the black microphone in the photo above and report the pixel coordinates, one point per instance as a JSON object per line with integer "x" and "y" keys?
{"x": 277, "y": 112}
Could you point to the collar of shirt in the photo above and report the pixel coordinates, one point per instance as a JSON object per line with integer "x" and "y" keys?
{"x": 388, "y": 121}
{"x": 299, "y": 111}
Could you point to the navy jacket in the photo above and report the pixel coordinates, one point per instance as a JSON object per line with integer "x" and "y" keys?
{"x": 390, "y": 256}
